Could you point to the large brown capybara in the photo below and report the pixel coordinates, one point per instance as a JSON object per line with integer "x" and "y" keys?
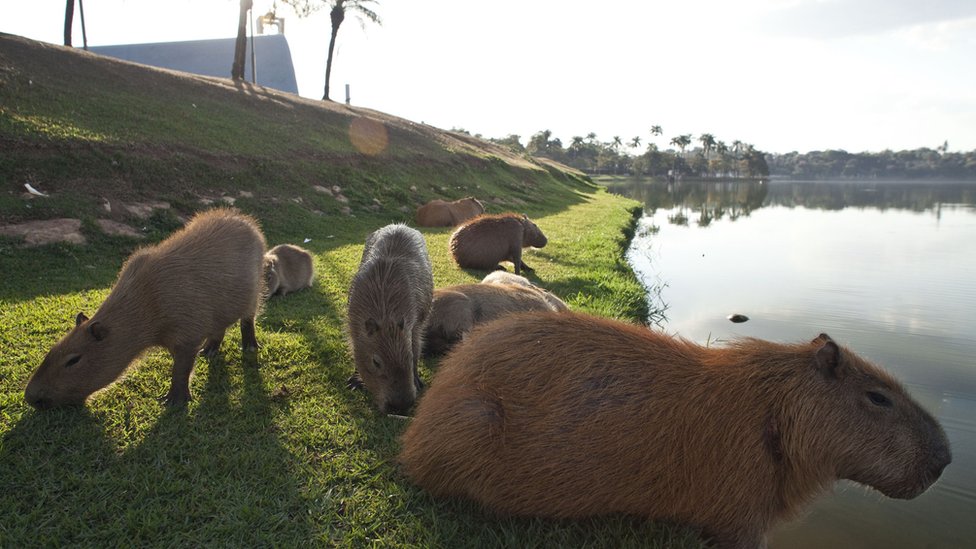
{"x": 389, "y": 304}
{"x": 487, "y": 240}
{"x": 440, "y": 213}
{"x": 505, "y": 277}
{"x": 567, "y": 416}
{"x": 458, "y": 309}
{"x": 179, "y": 294}
{"x": 288, "y": 268}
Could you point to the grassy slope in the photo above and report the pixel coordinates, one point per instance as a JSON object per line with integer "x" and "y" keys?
{"x": 280, "y": 454}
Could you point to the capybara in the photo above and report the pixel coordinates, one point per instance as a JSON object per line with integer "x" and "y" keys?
{"x": 487, "y": 240}
{"x": 440, "y": 213}
{"x": 389, "y": 304}
{"x": 505, "y": 277}
{"x": 458, "y": 309}
{"x": 288, "y": 268}
{"x": 179, "y": 294}
{"x": 567, "y": 416}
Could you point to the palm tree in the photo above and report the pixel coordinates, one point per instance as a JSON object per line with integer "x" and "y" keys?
{"x": 680, "y": 141}
{"x": 240, "y": 46}
{"x": 708, "y": 142}
{"x": 616, "y": 143}
{"x": 635, "y": 142}
{"x": 736, "y": 149}
{"x": 337, "y": 13}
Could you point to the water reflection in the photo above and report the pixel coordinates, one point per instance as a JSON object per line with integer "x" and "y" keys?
{"x": 701, "y": 202}
{"x": 887, "y": 268}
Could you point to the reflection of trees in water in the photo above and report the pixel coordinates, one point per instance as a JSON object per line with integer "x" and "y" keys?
{"x": 706, "y": 202}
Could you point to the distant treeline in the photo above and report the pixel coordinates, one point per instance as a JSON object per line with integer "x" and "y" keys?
{"x": 714, "y": 159}
{"x": 917, "y": 164}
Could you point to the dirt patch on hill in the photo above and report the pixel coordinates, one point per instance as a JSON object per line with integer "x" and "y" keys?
{"x": 49, "y": 231}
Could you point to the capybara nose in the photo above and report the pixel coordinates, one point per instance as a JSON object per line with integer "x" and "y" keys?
{"x": 941, "y": 459}
{"x": 398, "y": 407}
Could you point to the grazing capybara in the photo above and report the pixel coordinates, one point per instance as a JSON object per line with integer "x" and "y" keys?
{"x": 389, "y": 304}
{"x": 505, "y": 277}
{"x": 440, "y": 213}
{"x": 287, "y": 268}
{"x": 567, "y": 416}
{"x": 458, "y": 309}
{"x": 487, "y": 240}
{"x": 179, "y": 294}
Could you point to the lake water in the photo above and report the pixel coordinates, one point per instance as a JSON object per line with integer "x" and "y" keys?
{"x": 888, "y": 269}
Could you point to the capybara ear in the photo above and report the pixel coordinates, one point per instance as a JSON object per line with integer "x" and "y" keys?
{"x": 98, "y": 331}
{"x": 371, "y": 326}
{"x": 80, "y": 318}
{"x": 828, "y": 357}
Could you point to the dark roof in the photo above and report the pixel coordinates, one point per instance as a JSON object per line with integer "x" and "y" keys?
{"x": 214, "y": 58}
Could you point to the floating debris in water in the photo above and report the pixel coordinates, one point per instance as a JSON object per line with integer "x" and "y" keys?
{"x": 737, "y": 318}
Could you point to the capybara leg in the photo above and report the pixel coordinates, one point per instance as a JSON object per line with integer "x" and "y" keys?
{"x": 526, "y": 267}
{"x": 249, "y": 343}
{"x": 418, "y": 343}
{"x": 179, "y": 389}
{"x": 212, "y": 347}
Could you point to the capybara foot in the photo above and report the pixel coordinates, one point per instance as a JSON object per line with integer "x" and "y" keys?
{"x": 355, "y": 383}
{"x": 499, "y": 268}
{"x": 176, "y": 398}
{"x": 527, "y": 268}
{"x": 211, "y": 350}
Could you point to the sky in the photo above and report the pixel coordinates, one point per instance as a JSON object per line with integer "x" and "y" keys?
{"x": 783, "y": 75}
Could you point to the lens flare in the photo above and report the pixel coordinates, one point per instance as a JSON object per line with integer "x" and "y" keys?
{"x": 368, "y": 136}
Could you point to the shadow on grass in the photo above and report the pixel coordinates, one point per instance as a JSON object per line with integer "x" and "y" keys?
{"x": 215, "y": 473}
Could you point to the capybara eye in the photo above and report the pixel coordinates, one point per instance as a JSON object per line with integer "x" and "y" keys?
{"x": 879, "y": 399}
{"x": 72, "y": 361}
{"x": 377, "y": 364}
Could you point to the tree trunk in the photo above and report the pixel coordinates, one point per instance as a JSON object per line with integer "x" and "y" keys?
{"x": 338, "y": 14}
{"x": 69, "y": 18}
{"x": 240, "y": 47}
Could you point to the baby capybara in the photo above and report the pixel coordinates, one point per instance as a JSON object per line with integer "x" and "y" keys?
{"x": 487, "y": 240}
{"x": 389, "y": 303}
{"x": 567, "y": 415}
{"x": 458, "y": 309}
{"x": 440, "y": 213}
{"x": 179, "y": 294}
{"x": 288, "y": 268}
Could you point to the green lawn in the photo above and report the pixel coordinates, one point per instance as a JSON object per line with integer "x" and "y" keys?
{"x": 279, "y": 454}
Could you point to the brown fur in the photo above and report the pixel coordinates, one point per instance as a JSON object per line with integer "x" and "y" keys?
{"x": 505, "y": 277}
{"x": 487, "y": 240}
{"x": 288, "y": 268}
{"x": 440, "y": 213}
{"x": 178, "y": 294}
{"x": 389, "y": 303}
{"x": 566, "y": 415}
{"x": 458, "y": 309}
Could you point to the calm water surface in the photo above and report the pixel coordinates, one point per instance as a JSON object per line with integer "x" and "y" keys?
{"x": 888, "y": 269}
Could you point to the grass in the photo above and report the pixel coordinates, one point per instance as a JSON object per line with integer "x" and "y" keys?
{"x": 278, "y": 452}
